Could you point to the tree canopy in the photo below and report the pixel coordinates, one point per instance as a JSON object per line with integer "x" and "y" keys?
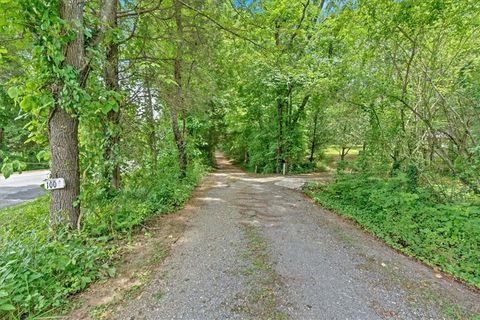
{"x": 110, "y": 94}
{"x": 274, "y": 82}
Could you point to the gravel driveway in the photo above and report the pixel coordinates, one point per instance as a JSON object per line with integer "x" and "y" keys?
{"x": 257, "y": 248}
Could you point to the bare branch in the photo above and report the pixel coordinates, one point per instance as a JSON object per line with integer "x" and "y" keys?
{"x": 138, "y": 11}
{"x": 218, "y": 24}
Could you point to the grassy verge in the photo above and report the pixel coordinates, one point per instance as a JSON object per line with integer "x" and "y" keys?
{"x": 442, "y": 234}
{"x": 40, "y": 269}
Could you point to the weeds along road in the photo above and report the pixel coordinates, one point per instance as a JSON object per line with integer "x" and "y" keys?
{"x": 256, "y": 248}
{"x": 22, "y": 187}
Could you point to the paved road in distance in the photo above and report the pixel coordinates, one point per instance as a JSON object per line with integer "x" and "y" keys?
{"x": 22, "y": 187}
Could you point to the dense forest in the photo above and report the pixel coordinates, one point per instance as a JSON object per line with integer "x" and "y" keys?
{"x": 127, "y": 100}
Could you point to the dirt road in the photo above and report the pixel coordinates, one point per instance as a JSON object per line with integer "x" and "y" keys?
{"x": 256, "y": 248}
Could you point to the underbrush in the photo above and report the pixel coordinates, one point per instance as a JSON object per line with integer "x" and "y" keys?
{"x": 40, "y": 269}
{"x": 143, "y": 195}
{"x": 420, "y": 224}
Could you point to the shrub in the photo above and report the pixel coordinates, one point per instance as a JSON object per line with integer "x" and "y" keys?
{"x": 441, "y": 234}
{"x": 39, "y": 269}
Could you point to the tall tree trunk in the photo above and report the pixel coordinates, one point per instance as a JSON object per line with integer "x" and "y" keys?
{"x": 63, "y": 136}
{"x": 178, "y": 103}
{"x": 280, "y": 111}
{"x": 314, "y": 137}
{"x": 63, "y": 127}
{"x": 343, "y": 153}
{"x": 280, "y": 155}
{"x": 152, "y": 136}
{"x": 112, "y": 165}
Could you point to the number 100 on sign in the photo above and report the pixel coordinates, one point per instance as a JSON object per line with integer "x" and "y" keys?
{"x": 54, "y": 184}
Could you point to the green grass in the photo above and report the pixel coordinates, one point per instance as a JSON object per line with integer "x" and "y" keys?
{"x": 334, "y": 151}
{"x": 331, "y": 156}
{"x": 439, "y": 233}
{"x": 14, "y": 221}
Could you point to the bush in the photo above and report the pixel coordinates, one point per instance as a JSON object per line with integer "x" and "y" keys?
{"x": 142, "y": 196}
{"x": 36, "y": 278}
{"x": 40, "y": 269}
{"x": 418, "y": 223}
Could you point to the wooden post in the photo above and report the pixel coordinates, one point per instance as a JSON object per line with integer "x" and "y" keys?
{"x": 284, "y": 168}
{"x": 256, "y": 168}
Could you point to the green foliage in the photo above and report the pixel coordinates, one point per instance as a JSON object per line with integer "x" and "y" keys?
{"x": 399, "y": 79}
{"x": 15, "y": 154}
{"x": 144, "y": 194}
{"x": 40, "y": 277}
{"x": 40, "y": 269}
{"x": 9, "y": 167}
{"x": 417, "y": 223}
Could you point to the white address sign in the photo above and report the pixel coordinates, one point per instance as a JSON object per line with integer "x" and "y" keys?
{"x": 54, "y": 184}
